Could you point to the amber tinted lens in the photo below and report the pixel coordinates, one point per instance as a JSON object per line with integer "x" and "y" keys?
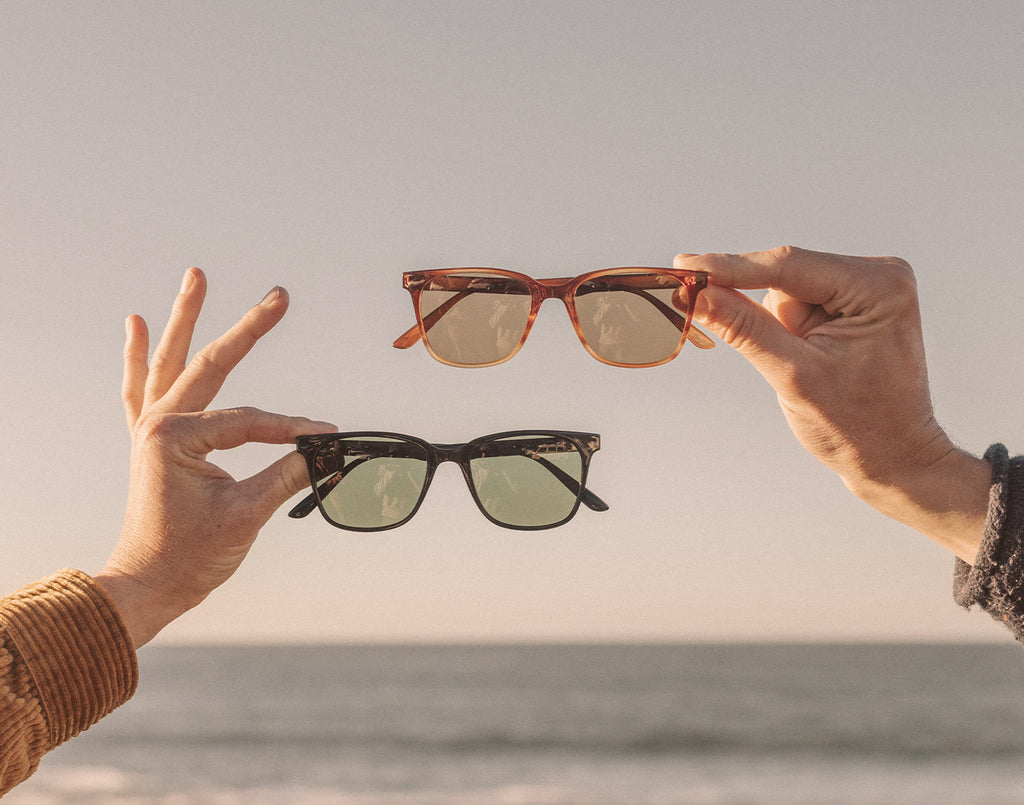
{"x": 474, "y": 318}
{"x": 368, "y": 482}
{"x": 629, "y": 318}
{"x": 528, "y": 481}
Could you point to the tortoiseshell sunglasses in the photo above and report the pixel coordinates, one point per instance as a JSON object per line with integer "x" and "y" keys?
{"x": 374, "y": 480}
{"x": 635, "y": 317}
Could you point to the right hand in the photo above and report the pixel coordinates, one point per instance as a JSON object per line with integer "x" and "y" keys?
{"x": 188, "y": 523}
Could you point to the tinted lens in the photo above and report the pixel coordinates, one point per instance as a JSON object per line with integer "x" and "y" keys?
{"x": 370, "y": 482}
{"x": 530, "y": 481}
{"x": 630, "y": 319}
{"x": 474, "y": 318}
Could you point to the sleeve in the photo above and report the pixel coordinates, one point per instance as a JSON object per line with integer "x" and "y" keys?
{"x": 66, "y": 660}
{"x": 995, "y": 581}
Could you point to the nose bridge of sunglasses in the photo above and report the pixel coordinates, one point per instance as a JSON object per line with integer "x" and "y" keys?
{"x": 445, "y": 493}
{"x": 555, "y": 288}
{"x": 448, "y": 452}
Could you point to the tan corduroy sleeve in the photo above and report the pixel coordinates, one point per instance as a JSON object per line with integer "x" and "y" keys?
{"x": 65, "y": 662}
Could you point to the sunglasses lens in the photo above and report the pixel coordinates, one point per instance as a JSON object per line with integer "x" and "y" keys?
{"x": 474, "y": 319}
{"x": 629, "y": 319}
{"x": 528, "y": 481}
{"x": 370, "y": 482}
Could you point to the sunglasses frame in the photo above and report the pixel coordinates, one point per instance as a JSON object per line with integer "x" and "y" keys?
{"x": 586, "y": 443}
{"x": 563, "y": 288}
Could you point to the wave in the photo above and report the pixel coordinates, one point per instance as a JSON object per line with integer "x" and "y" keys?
{"x": 908, "y": 745}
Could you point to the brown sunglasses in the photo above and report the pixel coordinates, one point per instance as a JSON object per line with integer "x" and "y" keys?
{"x": 630, "y": 316}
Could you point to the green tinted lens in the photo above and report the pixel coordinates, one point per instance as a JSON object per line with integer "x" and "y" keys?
{"x": 370, "y": 482}
{"x": 530, "y": 481}
{"x": 474, "y": 318}
{"x": 629, "y": 318}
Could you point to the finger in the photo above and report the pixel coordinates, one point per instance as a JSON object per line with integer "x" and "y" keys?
{"x": 199, "y": 383}
{"x": 227, "y": 428}
{"x": 171, "y": 353}
{"x": 800, "y": 318}
{"x": 813, "y": 277}
{"x": 266, "y": 491}
{"x": 749, "y": 328}
{"x": 136, "y": 356}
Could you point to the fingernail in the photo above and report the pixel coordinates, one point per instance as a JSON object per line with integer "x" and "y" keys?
{"x": 188, "y": 280}
{"x": 272, "y": 295}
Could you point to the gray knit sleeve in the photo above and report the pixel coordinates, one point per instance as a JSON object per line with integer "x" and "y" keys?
{"x": 996, "y": 580}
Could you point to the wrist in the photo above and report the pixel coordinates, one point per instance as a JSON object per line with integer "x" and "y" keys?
{"x": 143, "y": 610}
{"x": 944, "y": 498}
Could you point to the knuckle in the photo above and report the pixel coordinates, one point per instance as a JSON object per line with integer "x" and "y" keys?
{"x": 781, "y": 260}
{"x": 134, "y": 354}
{"x": 207, "y": 363}
{"x": 163, "y": 364}
{"x": 902, "y": 272}
{"x": 157, "y": 428}
{"x": 898, "y": 280}
{"x": 246, "y": 413}
{"x": 786, "y": 254}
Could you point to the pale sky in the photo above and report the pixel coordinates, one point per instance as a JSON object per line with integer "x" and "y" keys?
{"x": 328, "y": 147}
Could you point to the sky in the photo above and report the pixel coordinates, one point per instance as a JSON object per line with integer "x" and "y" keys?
{"x": 328, "y": 147}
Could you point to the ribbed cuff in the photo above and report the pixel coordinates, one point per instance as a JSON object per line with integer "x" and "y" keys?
{"x": 72, "y": 640}
{"x": 995, "y": 581}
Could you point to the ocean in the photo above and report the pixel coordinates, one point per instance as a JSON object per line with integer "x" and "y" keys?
{"x": 555, "y": 725}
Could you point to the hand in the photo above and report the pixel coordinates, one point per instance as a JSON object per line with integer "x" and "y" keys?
{"x": 188, "y": 523}
{"x": 839, "y": 339}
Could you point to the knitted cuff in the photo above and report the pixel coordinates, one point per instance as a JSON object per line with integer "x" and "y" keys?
{"x": 72, "y": 640}
{"x": 995, "y": 581}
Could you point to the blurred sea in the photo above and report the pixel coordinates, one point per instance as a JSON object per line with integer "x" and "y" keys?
{"x": 555, "y": 725}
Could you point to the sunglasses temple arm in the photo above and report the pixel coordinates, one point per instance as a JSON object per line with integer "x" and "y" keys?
{"x": 593, "y": 502}
{"x": 408, "y": 338}
{"x": 308, "y": 504}
{"x": 589, "y": 499}
{"x": 699, "y": 338}
{"x": 694, "y": 335}
{"x": 412, "y": 335}
{"x": 305, "y": 506}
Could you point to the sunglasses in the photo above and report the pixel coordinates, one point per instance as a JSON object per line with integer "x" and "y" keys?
{"x": 373, "y": 481}
{"x": 632, "y": 317}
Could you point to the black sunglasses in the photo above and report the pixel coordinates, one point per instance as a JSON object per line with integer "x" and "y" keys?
{"x": 374, "y": 480}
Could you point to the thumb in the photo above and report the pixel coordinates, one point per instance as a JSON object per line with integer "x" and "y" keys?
{"x": 748, "y": 327}
{"x": 267, "y": 490}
